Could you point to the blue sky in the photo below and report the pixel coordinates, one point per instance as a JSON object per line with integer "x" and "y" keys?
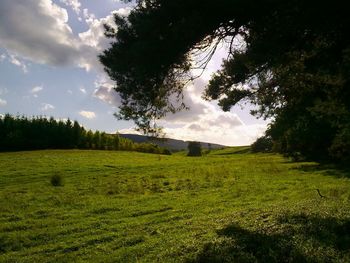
{"x": 49, "y": 66}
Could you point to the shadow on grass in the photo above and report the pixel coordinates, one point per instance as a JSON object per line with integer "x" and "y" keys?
{"x": 326, "y": 169}
{"x": 298, "y": 238}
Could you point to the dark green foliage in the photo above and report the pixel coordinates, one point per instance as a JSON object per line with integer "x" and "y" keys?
{"x": 56, "y": 180}
{"x": 166, "y": 151}
{"x": 96, "y": 139}
{"x": 22, "y": 133}
{"x": 294, "y": 65}
{"x": 340, "y": 148}
{"x": 194, "y": 149}
{"x": 262, "y": 144}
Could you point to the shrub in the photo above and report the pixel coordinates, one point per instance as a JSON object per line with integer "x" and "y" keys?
{"x": 57, "y": 180}
{"x": 262, "y": 144}
{"x": 194, "y": 149}
{"x": 166, "y": 151}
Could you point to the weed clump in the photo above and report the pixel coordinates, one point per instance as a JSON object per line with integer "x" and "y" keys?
{"x": 56, "y": 180}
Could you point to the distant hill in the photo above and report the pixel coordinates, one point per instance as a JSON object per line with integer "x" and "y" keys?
{"x": 171, "y": 144}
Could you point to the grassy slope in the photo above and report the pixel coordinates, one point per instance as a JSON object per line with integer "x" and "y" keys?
{"x": 121, "y": 207}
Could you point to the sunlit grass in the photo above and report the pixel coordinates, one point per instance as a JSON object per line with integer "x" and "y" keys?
{"x": 123, "y": 207}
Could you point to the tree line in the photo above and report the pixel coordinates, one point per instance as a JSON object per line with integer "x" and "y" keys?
{"x": 23, "y": 133}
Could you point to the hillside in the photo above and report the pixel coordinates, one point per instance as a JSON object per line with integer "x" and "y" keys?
{"x": 228, "y": 206}
{"x": 171, "y": 144}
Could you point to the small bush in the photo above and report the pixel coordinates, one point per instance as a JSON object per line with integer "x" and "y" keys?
{"x": 194, "y": 149}
{"x": 56, "y": 180}
{"x": 166, "y": 151}
{"x": 262, "y": 144}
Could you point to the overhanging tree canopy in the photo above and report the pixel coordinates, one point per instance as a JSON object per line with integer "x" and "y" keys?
{"x": 294, "y": 67}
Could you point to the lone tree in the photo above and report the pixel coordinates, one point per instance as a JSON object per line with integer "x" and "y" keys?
{"x": 194, "y": 149}
{"x": 293, "y": 64}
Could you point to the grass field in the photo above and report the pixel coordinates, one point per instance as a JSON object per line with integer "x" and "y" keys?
{"x": 227, "y": 206}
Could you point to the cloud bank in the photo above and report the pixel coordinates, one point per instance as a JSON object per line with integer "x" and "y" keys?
{"x": 87, "y": 114}
{"x": 38, "y": 30}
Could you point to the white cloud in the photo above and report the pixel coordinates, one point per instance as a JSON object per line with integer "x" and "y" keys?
{"x": 222, "y": 133}
{"x": 2, "y": 57}
{"x": 105, "y": 92}
{"x": 46, "y": 107}
{"x": 82, "y": 90}
{"x": 88, "y": 114}
{"x": 94, "y": 36}
{"x": 94, "y": 40}
{"x": 129, "y": 131}
{"x": 36, "y": 89}
{"x": 42, "y": 33}
{"x": 89, "y": 17}
{"x": 16, "y": 61}
{"x": 74, "y": 4}
{"x": 3, "y": 102}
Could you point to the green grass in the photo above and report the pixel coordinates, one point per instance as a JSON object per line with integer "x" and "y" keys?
{"x": 227, "y": 206}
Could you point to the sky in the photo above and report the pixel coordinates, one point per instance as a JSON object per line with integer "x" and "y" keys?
{"x": 49, "y": 67}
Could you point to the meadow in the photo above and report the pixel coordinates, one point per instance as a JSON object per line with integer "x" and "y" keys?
{"x": 227, "y": 206}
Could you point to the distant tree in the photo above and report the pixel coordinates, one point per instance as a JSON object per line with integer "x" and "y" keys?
{"x": 60, "y": 137}
{"x": 76, "y": 135}
{"x": 96, "y": 139}
{"x": 103, "y": 141}
{"x": 81, "y": 143}
{"x": 116, "y": 141}
{"x": 194, "y": 149}
{"x": 109, "y": 142}
{"x": 89, "y": 139}
{"x": 69, "y": 135}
